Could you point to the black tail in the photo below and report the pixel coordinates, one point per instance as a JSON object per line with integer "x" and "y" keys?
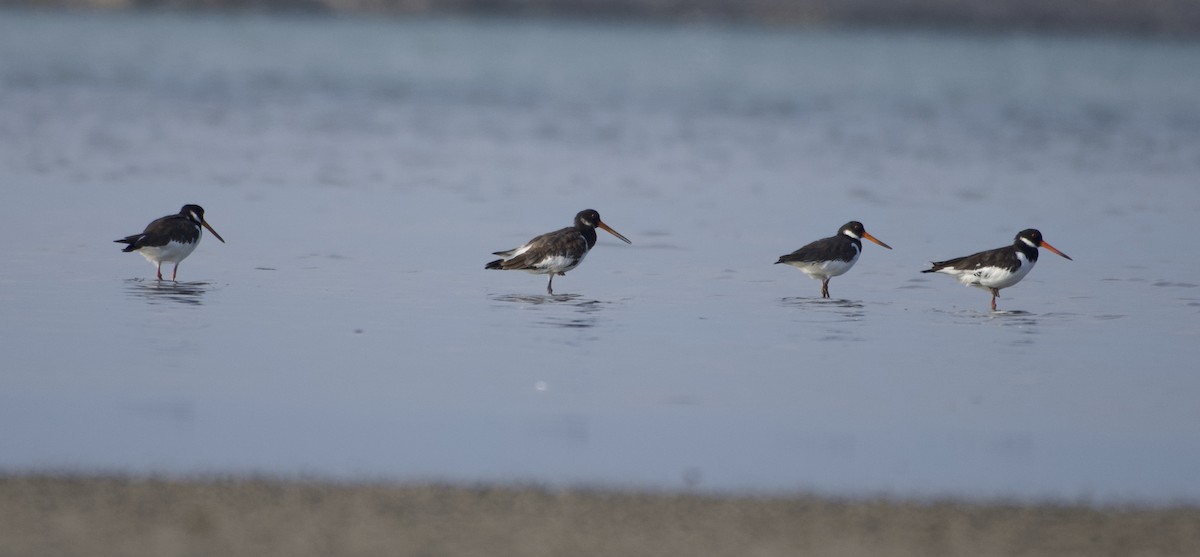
{"x": 131, "y": 240}
{"x": 939, "y": 265}
{"x": 497, "y": 264}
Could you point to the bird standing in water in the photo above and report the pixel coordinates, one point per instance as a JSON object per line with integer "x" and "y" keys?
{"x": 997, "y": 268}
{"x": 170, "y": 239}
{"x": 829, "y": 257}
{"x": 555, "y": 253}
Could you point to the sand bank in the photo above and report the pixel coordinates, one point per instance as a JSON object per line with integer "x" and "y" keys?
{"x": 99, "y": 516}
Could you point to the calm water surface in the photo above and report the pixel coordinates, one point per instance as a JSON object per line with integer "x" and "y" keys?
{"x": 362, "y": 172}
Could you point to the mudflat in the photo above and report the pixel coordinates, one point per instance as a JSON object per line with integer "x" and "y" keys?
{"x": 104, "y": 515}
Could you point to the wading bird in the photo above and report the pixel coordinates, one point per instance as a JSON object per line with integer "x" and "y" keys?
{"x": 829, "y": 257}
{"x": 555, "y": 253}
{"x": 170, "y": 239}
{"x": 997, "y": 268}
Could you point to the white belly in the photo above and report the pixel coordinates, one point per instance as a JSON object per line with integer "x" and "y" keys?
{"x": 992, "y": 277}
{"x": 824, "y": 269}
{"x": 173, "y": 252}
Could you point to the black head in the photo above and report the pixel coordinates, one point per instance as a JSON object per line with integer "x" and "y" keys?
{"x": 589, "y": 218}
{"x": 1031, "y": 237}
{"x": 854, "y": 229}
{"x": 194, "y": 213}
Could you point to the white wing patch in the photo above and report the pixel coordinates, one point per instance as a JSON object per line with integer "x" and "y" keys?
{"x": 991, "y": 277}
{"x": 556, "y": 264}
{"x": 550, "y": 264}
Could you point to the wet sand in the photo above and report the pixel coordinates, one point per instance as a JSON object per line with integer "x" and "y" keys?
{"x": 98, "y": 516}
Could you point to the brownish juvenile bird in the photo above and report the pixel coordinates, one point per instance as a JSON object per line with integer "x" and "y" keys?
{"x": 555, "y": 253}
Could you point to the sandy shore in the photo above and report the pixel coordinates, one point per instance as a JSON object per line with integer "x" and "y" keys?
{"x": 99, "y": 516}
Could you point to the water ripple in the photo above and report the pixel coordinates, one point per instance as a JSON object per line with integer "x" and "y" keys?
{"x": 583, "y": 312}
{"x": 161, "y": 291}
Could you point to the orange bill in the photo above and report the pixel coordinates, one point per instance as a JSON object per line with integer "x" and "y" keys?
{"x": 1053, "y": 249}
{"x": 611, "y": 231}
{"x": 877, "y": 240}
{"x": 214, "y": 232}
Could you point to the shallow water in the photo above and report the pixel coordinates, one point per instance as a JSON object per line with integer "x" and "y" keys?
{"x": 363, "y": 171}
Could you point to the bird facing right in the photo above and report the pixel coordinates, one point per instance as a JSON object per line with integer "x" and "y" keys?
{"x": 997, "y": 268}
{"x": 555, "y": 253}
{"x": 170, "y": 239}
{"x": 829, "y": 257}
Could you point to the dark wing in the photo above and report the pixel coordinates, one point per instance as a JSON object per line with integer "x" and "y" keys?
{"x": 833, "y": 248}
{"x": 567, "y": 242}
{"x": 131, "y": 240}
{"x": 1002, "y": 258}
{"x": 161, "y": 231}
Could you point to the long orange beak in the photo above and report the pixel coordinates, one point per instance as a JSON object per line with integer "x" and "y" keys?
{"x": 876, "y": 240}
{"x": 1053, "y": 249}
{"x": 613, "y": 232}
{"x": 214, "y": 232}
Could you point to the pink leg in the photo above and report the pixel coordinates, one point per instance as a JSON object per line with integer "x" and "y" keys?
{"x": 173, "y": 271}
{"x": 995, "y": 293}
{"x": 825, "y": 288}
{"x": 160, "y": 270}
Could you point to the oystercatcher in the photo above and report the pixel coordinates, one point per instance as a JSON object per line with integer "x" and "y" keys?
{"x": 997, "y": 268}
{"x": 555, "y": 253}
{"x": 829, "y": 257}
{"x": 170, "y": 239}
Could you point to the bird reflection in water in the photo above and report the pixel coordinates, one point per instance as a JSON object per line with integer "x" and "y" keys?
{"x": 845, "y": 310}
{"x": 162, "y": 292}
{"x": 584, "y": 311}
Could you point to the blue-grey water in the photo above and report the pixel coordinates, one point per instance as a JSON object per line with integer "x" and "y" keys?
{"x": 362, "y": 172}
